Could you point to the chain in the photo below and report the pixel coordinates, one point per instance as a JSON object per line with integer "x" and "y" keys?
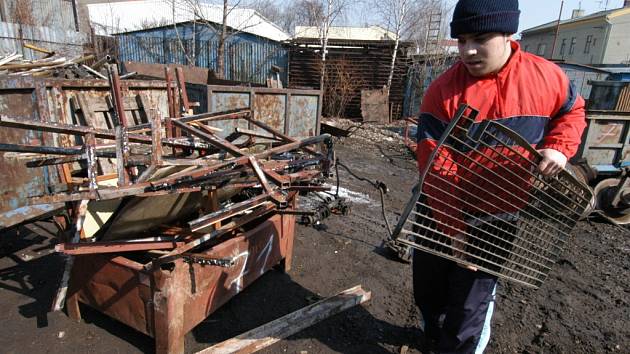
{"x": 220, "y": 262}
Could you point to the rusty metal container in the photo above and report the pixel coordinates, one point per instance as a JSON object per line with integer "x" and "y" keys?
{"x": 168, "y": 302}
{"x": 606, "y": 141}
{"x": 294, "y": 112}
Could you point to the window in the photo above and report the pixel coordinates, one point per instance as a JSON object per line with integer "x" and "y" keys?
{"x": 541, "y": 49}
{"x": 563, "y": 46}
{"x": 589, "y": 42}
{"x": 572, "y": 47}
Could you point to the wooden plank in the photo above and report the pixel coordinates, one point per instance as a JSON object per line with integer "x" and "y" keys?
{"x": 274, "y": 331}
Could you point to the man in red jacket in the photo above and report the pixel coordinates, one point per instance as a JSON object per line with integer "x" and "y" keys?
{"x": 526, "y": 93}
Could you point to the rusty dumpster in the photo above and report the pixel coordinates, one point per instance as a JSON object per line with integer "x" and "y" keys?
{"x": 168, "y": 302}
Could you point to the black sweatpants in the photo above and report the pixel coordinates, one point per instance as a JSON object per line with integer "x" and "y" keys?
{"x": 456, "y": 303}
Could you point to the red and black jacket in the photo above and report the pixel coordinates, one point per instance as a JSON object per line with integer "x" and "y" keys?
{"x": 530, "y": 95}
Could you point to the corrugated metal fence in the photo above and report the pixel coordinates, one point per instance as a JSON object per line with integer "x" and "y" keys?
{"x": 246, "y": 61}
{"x": 48, "y": 13}
{"x": 64, "y": 42}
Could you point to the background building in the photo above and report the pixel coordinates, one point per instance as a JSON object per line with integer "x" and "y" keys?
{"x": 598, "y": 38}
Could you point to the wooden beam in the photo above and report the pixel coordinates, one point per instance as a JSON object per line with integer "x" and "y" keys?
{"x": 274, "y": 331}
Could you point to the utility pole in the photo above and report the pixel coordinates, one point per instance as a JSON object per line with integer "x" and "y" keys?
{"x": 555, "y": 38}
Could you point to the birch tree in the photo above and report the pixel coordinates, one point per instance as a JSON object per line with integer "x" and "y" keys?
{"x": 332, "y": 11}
{"x": 396, "y": 15}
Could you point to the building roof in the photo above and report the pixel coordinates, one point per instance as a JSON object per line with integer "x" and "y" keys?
{"x": 371, "y": 33}
{"x": 608, "y": 69}
{"x": 118, "y": 17}
{"x": 601, "y": 14}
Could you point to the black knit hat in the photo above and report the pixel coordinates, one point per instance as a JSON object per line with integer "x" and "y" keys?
{"x": 483, "y": 16}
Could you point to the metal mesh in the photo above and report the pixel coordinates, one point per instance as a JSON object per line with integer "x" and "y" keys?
{"x": 482, "y": 202}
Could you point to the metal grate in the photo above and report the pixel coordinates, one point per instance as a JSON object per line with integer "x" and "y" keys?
{"x": 481, "y": 202}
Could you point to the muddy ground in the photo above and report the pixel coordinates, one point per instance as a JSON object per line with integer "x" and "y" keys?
{"x": 582, "y": 308}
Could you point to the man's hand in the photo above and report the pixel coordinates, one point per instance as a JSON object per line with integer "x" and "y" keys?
{"x": 553, "y": 161}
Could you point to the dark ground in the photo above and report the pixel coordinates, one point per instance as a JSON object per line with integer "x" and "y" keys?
{"x": 582, "y": 308}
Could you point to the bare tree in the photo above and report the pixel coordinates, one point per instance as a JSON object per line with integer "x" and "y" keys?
{"x": 269, "y": 10}
{"x": 309, "y": 12}
{"x": 332, "y": 10}
{"x": 199, "y": 9}
{"x": 301, "y": 13}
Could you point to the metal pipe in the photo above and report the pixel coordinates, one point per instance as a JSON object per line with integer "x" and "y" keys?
{"x": 555, "y": 38}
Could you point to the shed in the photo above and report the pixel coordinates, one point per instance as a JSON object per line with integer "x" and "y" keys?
{"x": 248, "y": 57}
{"x": 357, "y": 64}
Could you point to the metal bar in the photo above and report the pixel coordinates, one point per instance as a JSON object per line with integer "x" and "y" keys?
{"x": 128, "y": 75}
{"x": 211, "y": 139}
{"x": 98, "y": 133}
{"x": 277, "y": 133}
{"x": 116, "y": 92}
{"x": 226, "y": 213}
{"x": 53, "y": 150}
{"x": 60, "y": 297}
{"x": 120, "y": 127}
{"x": 90, "y": 154}
{"x": 169, "y": 94}
{"x": 214, "y": 116}
{"x": 114, "y": 247}
{"x": 176, "y": 253}
{"x": 274, "y": 194}
{"x": 282, "y": 181}
{"x": 256, "y": 134}
{"x": 94, "y": 72}
{"x": 204, "y": 172}
{"x": 181, "y": 83}
{"x": 156, "y": 136}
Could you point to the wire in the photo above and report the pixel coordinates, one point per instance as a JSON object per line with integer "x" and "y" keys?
{"x": 380, "y": 186}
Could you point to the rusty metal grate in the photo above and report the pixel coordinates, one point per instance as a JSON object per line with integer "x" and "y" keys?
{"x": 482, "y": 203}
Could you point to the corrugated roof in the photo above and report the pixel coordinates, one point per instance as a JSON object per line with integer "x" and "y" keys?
{"x": 371, "y": 33}
{"x": 553, "y": 24}
{"x": 119, "y": 17}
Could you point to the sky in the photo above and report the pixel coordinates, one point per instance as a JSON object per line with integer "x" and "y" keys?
{"x": 533, "y": 12}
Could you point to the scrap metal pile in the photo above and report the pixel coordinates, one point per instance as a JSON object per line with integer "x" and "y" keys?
{"x": 52, "y": 65}
{"x": 178, "y": 183}
{"x": 482, "y": 203}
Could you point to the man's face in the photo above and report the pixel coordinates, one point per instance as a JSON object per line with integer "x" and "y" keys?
{"x": 484, "y": 53}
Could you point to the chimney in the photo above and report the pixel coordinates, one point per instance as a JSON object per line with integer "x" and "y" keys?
{"x": 579, "y": 12}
